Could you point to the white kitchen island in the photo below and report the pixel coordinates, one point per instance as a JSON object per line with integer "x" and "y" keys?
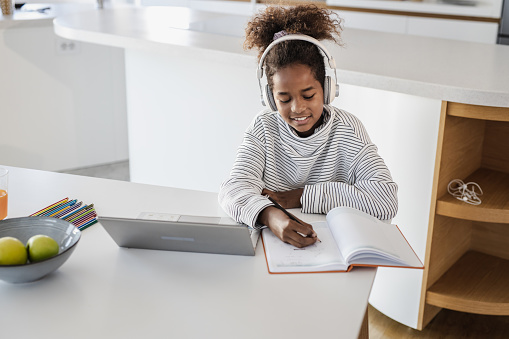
{"x": 52, "y": 88}
{"x": 192, "y": 91}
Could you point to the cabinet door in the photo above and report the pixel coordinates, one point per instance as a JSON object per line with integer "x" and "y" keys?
{"x": 485, "y": 32}
{"x": 374, "y": 21}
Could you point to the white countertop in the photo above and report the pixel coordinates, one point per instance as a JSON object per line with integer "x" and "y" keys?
{"x": 40, "y": 14}
{"x": 465, "y": 72}
{"x": 468, "y": 8}
{"x": 104, "y": 291}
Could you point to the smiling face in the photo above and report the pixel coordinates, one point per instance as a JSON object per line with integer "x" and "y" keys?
{"x": 299, "y": 98}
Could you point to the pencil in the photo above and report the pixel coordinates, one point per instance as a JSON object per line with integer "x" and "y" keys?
{"x": 87, "y": 225}
{"x": 68, "y": 210}
{"x": 45, "y": 209}
{"x": 54, "y": 209}
{"x": 81, "y": 218}
{"x": 77, "y": 212}
{"x": 61, "y": 208}
{"x": 80, "y": 215}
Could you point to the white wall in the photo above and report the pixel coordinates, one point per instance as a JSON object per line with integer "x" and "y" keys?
{"x": 60, "y": 110}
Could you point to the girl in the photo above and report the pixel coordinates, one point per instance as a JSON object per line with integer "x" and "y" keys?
{"x": 303, "y": 153}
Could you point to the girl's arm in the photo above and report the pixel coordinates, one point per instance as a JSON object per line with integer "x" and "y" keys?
{"x": 369, "y": 188}
{"x": 240, "y": 195}
{"x": 242, "y": 198}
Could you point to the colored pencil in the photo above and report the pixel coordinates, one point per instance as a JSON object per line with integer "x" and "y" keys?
{"x": 81, "y": 228}
{"x": 80, "y": 215}
{"x": 52, "y": 209}
{"x": 84, "y": 222}
{"x": 84, "y": 217}
{"x": 68, "y": 210}
{"x": 70, "y": 213}
{"x": 49, "y": 207}
{"x": 61, "y": 208}
{"x": 78, "y": 211}
{"x": 56, "y": 208}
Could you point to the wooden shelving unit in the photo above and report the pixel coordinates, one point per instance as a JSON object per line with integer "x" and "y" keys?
{"x": 467, "y": 254}
{"x": 495, "y": 199}
{"x": 477, "y": 283}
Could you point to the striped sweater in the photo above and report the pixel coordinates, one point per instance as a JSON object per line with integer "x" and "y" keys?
{"x": 337, "y": 166}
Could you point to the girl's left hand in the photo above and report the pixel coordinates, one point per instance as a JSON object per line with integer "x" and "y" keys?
{"x": 287, "y": 199}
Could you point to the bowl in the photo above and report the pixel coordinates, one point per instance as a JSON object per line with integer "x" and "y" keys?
{"x": 65, "y": 234}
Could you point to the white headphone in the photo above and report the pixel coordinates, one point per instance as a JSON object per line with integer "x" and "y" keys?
{"x": 329, "y": 87}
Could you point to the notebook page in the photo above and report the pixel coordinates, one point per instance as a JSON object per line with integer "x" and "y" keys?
{"x": 355, "y": 231}
{"x": 322, "y": 256}
{"x": 401, "y": 246}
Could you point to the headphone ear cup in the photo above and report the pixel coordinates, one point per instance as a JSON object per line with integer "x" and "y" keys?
{"x": 268, "y": 98}
{"x": 329, "y": 90}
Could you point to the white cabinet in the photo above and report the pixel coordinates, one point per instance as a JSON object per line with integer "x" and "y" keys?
{"x": 474, "y": 31}
{"x": 392, "y": 16}
{"x": 374, "y": 21}
{"x": 465, "y": 30}
{"x": 470, "y": 9}
{"x": 476, "y": 23}
{"x": 60, "y": 108}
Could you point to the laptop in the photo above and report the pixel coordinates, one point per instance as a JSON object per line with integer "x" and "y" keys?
{"x": 184, "y": 233}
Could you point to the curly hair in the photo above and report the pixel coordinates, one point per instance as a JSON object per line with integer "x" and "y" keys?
{"x": 308, "y": 19}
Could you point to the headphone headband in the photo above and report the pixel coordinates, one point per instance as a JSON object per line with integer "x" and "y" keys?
{"x": 330, "y": 93}
{"x": 330, "y": 59}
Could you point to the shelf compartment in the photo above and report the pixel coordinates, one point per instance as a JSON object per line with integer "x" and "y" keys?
{"x": 478, "y": 112}
{"x": 476, "y": 283}
{"x": 495, "y": 199}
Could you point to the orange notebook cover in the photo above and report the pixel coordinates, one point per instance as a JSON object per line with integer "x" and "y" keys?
{"x": 349, "y": 238}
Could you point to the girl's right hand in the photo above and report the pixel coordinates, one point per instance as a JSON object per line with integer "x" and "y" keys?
{"x": 288, "y": 230}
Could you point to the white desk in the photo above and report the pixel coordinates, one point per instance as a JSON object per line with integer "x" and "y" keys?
{"x": 104, "y": 291}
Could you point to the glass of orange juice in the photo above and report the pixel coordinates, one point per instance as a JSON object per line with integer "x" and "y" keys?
{"x": 4, "y": 176}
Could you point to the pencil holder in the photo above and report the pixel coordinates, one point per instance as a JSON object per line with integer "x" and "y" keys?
{"x": 7, "y": 7}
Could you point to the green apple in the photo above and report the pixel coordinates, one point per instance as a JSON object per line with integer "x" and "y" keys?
{"x": 40, "y": 247}
{"x": 12, "y": 251}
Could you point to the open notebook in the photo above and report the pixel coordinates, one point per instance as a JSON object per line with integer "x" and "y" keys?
{"x": 349, "y": 238}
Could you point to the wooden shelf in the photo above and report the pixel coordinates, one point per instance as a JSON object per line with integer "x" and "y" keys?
{"x": 467, "y": 254}
{"x": 476, "y": 283}
{"x": 495, "y": 200}
{"x": 478, "y": 112}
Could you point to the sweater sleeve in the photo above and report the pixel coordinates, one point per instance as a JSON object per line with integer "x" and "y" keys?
{"x": 370, "y": 188}
{"x": 240, "y": 194}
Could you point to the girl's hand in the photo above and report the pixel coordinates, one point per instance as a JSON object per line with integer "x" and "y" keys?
{"x": 288, "y": 199}
{"x": 289, "y": 231}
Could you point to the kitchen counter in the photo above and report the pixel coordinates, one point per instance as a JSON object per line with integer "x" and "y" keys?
{"x": 46, "y": 78}
{"x": 467, "y": 8}
{"x": 40, "y": 14}
{"x": 429, "y": 67}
